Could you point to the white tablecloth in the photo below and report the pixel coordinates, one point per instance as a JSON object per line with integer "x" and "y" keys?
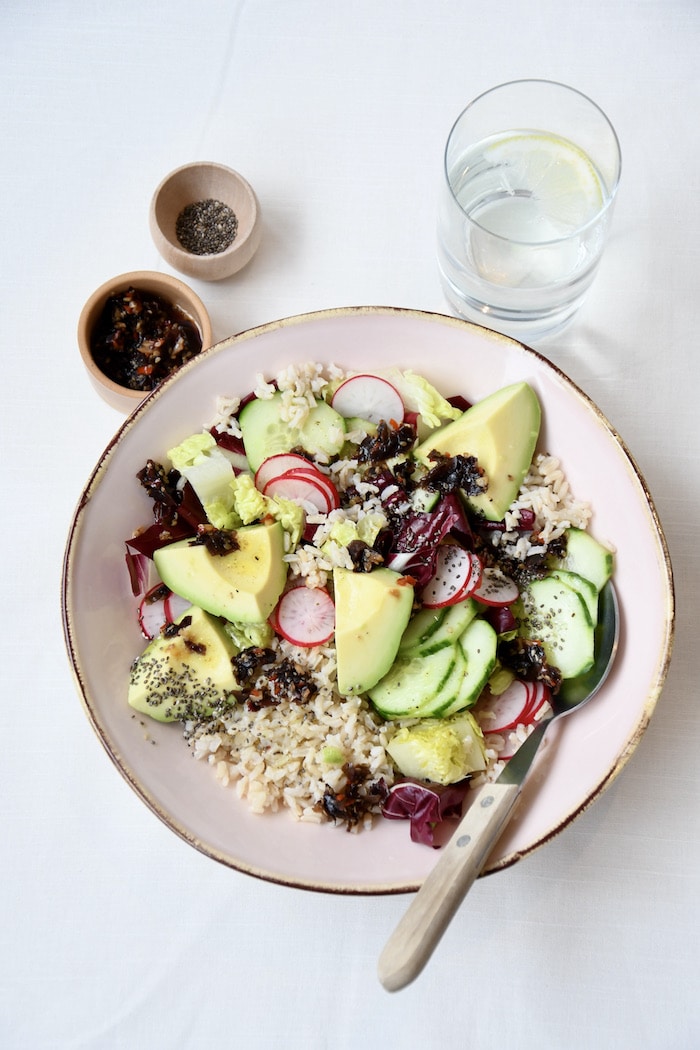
{"x": 113, "y": 932}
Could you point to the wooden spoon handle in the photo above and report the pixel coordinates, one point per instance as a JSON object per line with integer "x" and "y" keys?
{"x": 429, "y": 914}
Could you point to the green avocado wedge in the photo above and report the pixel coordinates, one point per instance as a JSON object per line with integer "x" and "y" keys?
{"x": 501, "y": 431}
{"x": 242, "y": 586}
{"x": 371, "y": 613}
{"x": 185, "y": 673}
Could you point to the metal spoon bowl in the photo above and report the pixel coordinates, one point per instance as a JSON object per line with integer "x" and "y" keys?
{"x": 429, "y": 914}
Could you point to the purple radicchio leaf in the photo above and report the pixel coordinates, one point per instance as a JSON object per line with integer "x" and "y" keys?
{"x": 425, "y": 807}
{"x": 415, "y": 543}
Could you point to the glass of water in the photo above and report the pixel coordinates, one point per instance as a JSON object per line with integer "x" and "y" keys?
{"x": 531, "y": 172}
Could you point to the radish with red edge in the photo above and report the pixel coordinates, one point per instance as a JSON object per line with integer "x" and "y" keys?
{"x": 500, "y": 713}
{"x": 175, "y": 606}
{"x": 272, "y": 618}
{"x": 540, "y": 695}
{"x": 151, "y": 614}
{"x": 305, "y": 616}
{"x": 519, "y": 704}
{"x": 158, "y": 607}
{"x": 496, "y": 588}
{"x": 475, "y": 574}
{"x": 302, "y": 490}
{"x": 275, "y": 466}
{"x": 457, "y": 575}
{"x": 319, "y": 479}
{"x": 368, "y": 397}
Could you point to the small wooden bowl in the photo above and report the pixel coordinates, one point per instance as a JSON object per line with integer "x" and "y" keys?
{"x": 160, "y": 284}
{"x": 197, "y": 182}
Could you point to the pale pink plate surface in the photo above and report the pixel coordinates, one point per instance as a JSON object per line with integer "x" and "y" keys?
{"x": 578, "y": 760}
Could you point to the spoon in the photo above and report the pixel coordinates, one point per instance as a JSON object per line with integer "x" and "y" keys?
{"x": 436, "y": 902}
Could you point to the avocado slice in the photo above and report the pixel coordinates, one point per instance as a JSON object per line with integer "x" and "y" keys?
{"x": 372, "y": 610}
{"x": 243, "y": 586}
{"x": 186, "y": 674}
{"x": 501, "y": 432}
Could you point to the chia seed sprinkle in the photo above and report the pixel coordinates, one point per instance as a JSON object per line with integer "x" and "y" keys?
{"x": 206, "y": 227}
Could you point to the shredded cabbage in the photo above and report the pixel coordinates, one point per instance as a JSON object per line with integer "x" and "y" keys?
{"x": 418, "y": 395}
{"x": 190, "y": 450}
{"x": 443, "y": 751}
{"x": 366, "y": 529}
{"x": 250, "y": 505}
{"x": 246, "y": 634}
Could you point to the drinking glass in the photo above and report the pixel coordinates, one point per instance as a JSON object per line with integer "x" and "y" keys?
{"x": 532, "y": 168}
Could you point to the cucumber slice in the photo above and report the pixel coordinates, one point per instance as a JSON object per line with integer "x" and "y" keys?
{"x": 266, "y": 434}
{"x": 412, "y": 684}
{"x": 449, "y": 690}
{"x": 424, "y": 500}
{"x": 556, "y": 616}
{"x": 586, "y": 557}
{"x": 584, "y": 587}
{"x": 478, "y": 646}
{"x": 455, "y": 620}
{"x": 420, "y": 628}
{"x": 356, "y": 423}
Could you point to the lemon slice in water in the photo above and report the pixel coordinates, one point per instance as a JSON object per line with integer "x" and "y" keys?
{"x": 558, "y": 179}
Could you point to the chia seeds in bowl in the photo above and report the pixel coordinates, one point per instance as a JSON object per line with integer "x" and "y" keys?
{"x": 206, "y": 227}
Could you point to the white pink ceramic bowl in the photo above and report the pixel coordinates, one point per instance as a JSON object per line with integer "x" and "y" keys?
{"x": 579, "y": 760}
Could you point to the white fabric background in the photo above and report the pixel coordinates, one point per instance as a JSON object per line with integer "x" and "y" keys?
{"x": 114, "y": 933}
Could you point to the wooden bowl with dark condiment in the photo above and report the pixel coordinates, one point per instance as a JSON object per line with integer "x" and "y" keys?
{"x": 135, "y": 330}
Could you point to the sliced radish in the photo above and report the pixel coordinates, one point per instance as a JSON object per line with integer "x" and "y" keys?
{"x": 540, "y": 695}
{"x": 272, "y": 618}
{"x": 318, "y": 478}
{"x": 500, "y": 713}
{"x": 305, "y": 616}
{"x": 518, "y": 705}
{"x": 496, "y": 588}
{"x": 159, "y": 607}
{"x": 303, "y": 490}
{"x": 175, "y": 606}
{"x": 475, "y": 575}
{"x": 151, "y": 616}
{"x": 457, "y": 575}
{"x": 368, "y": 397}
{"x": 274, "y": 466}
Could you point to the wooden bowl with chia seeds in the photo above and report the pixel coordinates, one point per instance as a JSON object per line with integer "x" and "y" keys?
{"x": 205, "y": 220}
{"x": 135, "y": 330}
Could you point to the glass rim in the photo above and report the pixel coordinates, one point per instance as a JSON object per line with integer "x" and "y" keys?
{"x": 611, "y": 193}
